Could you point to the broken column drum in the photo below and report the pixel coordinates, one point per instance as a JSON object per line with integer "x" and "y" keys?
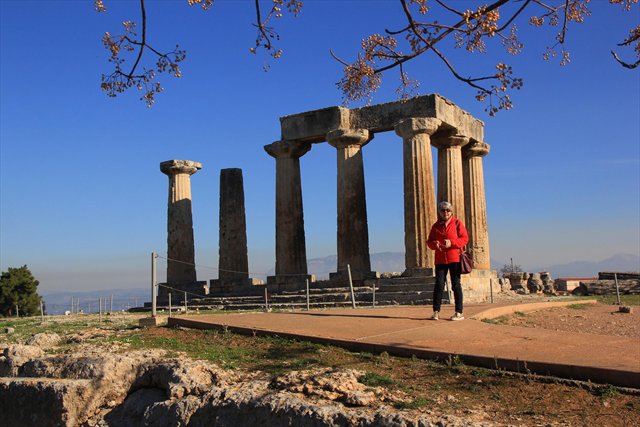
{"x": 181, "y": 268}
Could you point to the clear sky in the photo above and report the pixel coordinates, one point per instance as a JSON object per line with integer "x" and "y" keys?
{"x": 83, "y": 202}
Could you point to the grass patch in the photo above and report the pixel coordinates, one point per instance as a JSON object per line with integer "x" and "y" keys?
{"x": 373, "y": 379}
{"x": 578, "y": 306}
{"x": 497, "y": 320}
{"x": 612, "y": 299}
{"x": 415, "y": 404}
{"x": 608, "y": 391}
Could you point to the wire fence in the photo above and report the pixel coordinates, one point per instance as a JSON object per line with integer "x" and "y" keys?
{"x": 114, "y": 302}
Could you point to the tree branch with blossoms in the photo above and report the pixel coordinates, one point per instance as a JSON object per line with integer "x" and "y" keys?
{"x": 468, "y": 29}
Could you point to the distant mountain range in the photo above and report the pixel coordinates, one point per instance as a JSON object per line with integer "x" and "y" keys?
{"x": 394, "y": 261}
{"x": 619, "y": 263}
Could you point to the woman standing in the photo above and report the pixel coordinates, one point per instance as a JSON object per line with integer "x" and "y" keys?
{"x": 447, "y": 237}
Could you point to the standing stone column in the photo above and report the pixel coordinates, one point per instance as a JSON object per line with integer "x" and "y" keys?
{"x": 353, "y": 232}
{"x": 291, "y": 253}
{"x": 180, "y": 244}
{"x": 476, "y": 204}
{"x": 419, "y": 193}
{"x": 233, "y": 262}
{"x": 450, "y": 181}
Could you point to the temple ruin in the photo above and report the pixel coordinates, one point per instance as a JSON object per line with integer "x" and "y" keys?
{"x": 421, "y": 123}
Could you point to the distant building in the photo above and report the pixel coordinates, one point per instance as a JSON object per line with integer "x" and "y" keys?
{"x": 568, "y": 284}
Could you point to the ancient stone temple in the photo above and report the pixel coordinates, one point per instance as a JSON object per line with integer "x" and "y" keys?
{"x": 181, "y": 270}
{"x": 422, "y": 122}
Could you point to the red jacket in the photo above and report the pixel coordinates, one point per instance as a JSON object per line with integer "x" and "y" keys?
{"x": 455, "y": 232}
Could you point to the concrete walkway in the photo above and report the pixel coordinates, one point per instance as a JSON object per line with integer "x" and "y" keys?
{"x": 406, "y": 331}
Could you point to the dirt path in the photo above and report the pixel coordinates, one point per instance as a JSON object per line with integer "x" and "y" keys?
{"x": 598, "y": 319}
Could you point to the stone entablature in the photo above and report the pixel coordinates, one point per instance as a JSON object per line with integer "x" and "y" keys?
{"x": 313, "y": 126}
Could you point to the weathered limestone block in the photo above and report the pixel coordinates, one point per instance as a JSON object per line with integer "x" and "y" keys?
{"x": 534, "y": 283}
{"x": 608, "y": 287}
{"x": 17, "y": 355}
{"x": 44, "y": 340}
{"x": 548, "y": 283}
{"x": 42, "y": 402}
{"x": 505, "y": 284}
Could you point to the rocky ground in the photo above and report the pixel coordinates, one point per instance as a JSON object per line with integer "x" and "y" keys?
{"x": 113, "y": 374}
{"x": 593, "y": 319}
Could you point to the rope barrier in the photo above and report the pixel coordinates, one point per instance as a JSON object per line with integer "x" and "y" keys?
{"x": 255, "y": 273}
{"x": 251, "y": 273}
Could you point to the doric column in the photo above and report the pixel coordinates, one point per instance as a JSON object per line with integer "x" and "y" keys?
{"x": 450, "y": 181}
{"x": 476, "y": 204}
{"x": 291, "y": 254}
{"x": 419, "y": 193}
{"x": 353, "y": 233}
{"x": 180, "y": 245}
{"x": 233, "y": 261}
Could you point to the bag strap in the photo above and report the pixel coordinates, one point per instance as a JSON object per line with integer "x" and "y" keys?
{"x": 464, "y": 248}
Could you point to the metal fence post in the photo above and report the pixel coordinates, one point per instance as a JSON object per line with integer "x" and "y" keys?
{"x": 41, "y": 311}
{"x": 185, "y": 302}
{"x": 153, "y": 284}
{"x": 353, "y": 297}
{"x": 169, "y": 304}
{"x": 374, "y": 294}
{"x": 307, "y": 283}
{"x": 266, "y": 299}
{"x": 615, "y": 277}
{"x": 100, "y": 309}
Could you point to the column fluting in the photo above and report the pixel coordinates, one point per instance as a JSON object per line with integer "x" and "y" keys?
{"x": 476, "y": 204}
{"x": 291, "y": 255}
{"x": 419, "y": 193}
{"x": 353, "y": 232}
{"x": 181, "y": 268}
{"x": 450, "y": 181}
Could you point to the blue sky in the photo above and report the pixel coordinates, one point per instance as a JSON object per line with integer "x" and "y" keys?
{"x": 83, "y": 203}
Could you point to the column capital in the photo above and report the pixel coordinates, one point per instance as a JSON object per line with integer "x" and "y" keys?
{"x": 175, "y": 167}
{"x": 342, "y": 138}
{"x": 287, "y": 149}
{"x": 409, "y": 127}
{"x": 476, "y": 149}
{"x": 450, "y": 141}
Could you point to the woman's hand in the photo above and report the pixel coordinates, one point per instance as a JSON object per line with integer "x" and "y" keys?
{"x": 447, "y": 243}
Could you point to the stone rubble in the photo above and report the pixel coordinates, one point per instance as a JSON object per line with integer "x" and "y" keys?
{"x": 94, "y": 386}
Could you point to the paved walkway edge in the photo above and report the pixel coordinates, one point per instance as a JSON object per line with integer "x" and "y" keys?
{"x": 494, "y": 312}
{"x": 615, "y": 377}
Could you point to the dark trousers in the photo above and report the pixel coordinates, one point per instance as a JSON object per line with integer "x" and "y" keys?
{"x": 441, "y": 275}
